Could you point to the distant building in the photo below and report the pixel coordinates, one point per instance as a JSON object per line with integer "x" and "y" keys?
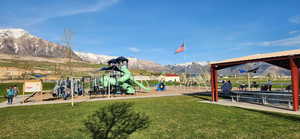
{"x": 142, "y": 78}
{"x": 258, "y": 76}
{"x": 170, "y": 77}
{"x": 146, "y": 78}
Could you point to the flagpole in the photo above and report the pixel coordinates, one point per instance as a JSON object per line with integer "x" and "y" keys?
{"x": 184, "y": 74}
{"x": 179, "y": 50}
{"x": 184, "y": 58}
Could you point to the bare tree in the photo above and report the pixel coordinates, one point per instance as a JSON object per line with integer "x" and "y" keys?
{"x": 28, "y": 70}
{"x": 67, "y": 37}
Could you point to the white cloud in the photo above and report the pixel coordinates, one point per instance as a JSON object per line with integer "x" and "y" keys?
{"x": 101, "y": 5}
{"x": 294, "y": 32}
{"x": 293, "y": 41}
{"x": 133, "y": 49}
{"x": 295, "y": 19}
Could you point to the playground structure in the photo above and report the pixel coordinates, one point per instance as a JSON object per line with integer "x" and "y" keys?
{"x": 67, "y": 88}
{"x": 116, "y": 80}
{"x": 161, "y": 86}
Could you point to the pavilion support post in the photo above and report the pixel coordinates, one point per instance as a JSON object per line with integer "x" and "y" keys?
{"x": 214, "y": 83}
{"x": 295, "y": 83}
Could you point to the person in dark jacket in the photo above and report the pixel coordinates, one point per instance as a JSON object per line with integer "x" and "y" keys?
{"x": 226, "y": 88}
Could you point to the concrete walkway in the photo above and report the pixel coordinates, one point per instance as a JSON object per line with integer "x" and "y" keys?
{"x": 226, "y": 102}
{"x": 19, "y": 99}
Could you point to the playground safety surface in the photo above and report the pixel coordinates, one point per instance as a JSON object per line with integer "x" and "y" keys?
{"x": 47, "y": 98}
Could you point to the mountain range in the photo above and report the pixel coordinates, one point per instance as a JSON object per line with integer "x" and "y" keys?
{"x": 264, "y": 69}
{"x": 134, "y": 63}
{"x": 21, "y": 43}
{"x": 203, "y": 68}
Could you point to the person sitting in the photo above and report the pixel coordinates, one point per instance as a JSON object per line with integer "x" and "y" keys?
{"x": 254, "y": 85}
{"x": 264, "y": 87}
{"x": 243, "y": 87}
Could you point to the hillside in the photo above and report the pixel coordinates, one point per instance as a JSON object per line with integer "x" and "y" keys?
{"x": 19, "y": 42}
{"x": 264, "y": 69}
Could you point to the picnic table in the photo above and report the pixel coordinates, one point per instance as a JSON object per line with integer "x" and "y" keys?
{"x": 262, "y": 97}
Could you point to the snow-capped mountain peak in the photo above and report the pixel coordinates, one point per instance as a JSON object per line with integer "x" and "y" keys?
{"x": 202, "y": 63}
{"x": 134, "y": 63}
{"x": 12, "y": 32}
{"x": 19, "y": 42}
{"x": 95, "y": 58}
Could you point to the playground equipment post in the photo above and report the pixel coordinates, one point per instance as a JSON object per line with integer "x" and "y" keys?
{"x": 72, "y": 91}
{"x": 249, "y": 84}
{"x": 109, "y": 88}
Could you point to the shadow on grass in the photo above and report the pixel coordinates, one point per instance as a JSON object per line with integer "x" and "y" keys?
{"x": 200, "y": 95}
{"x": 50, "y": 99}
{"x": 206, "y": 96}
{"x": 291, "y": 117}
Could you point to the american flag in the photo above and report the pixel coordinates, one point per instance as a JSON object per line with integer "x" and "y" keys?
{"x": 180, "y": 49}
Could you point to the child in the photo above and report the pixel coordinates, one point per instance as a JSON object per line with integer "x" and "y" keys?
{"x": 15, "y": 88}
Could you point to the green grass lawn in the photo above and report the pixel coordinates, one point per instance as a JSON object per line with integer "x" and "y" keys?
{"x": 172, "y": 117}
{"x": 2, "y": 99}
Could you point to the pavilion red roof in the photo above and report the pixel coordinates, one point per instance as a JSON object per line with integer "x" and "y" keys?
{"x": 171, "y": 75}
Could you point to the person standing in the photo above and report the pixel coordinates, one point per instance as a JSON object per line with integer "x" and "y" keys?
{"x": 269, "y": 84}
{"x": 10, "y": 95}
{"x": 15, "y": 88}
{"x": 226, "y": 88}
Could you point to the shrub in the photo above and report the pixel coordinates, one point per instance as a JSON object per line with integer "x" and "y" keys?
{"x": 116, "y": 121}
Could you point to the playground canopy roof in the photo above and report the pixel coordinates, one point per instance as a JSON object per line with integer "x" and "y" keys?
{"x": 285, "y": 59}
{"x": 277, "y": 58}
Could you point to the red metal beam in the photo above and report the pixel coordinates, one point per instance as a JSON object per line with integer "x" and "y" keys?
{"x": 295, "y": 83}
{"x": 214, "y": 83}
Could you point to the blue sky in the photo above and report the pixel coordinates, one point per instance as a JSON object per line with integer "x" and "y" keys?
{"x": 153, "y": 29}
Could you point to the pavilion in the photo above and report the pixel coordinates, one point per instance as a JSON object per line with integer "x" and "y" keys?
{"x": 286, "y": 59}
